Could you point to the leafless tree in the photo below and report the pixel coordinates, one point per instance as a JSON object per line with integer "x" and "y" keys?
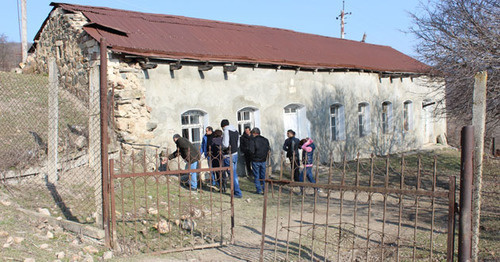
{"x": 3, "y": 52}
{"x": 460, "y": 38}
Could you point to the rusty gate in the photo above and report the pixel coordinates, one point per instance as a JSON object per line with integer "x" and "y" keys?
{"x": 370, "y": 209}
{"x": 154, "y": 211}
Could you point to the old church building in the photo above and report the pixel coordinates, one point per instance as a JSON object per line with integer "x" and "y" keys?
{"x": 173, "y": 74}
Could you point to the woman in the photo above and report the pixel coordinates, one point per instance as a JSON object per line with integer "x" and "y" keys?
{"x": 307, "y": 146}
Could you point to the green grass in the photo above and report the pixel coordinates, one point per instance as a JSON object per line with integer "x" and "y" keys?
{"x": 24, "y": 108}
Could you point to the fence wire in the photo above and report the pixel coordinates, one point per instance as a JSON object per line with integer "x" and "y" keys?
{"x": 62, "y": 176}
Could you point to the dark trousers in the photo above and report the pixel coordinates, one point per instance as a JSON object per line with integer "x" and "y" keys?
{"x": 248, "y": 165}
{"x": 295, "y": 166}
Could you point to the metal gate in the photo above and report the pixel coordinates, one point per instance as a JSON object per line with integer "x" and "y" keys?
{"x": 375, "y": 209}
{"x": 153, "y": 211}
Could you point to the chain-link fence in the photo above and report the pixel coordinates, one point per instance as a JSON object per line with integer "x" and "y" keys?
{"x": 50, "y": 146}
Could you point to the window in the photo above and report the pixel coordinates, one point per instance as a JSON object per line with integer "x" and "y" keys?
{"x": 246, "y": 118}
{"x": 337, "y": 122}
{"x": 407, "y": 116}
{"x": 295, "y": 118}
{"x": 363, "y": 119}
{"x": 386, "y": 117}
{"x": 192, "y": 126}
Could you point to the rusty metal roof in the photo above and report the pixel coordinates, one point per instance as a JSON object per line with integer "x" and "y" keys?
{"x": 177, "y": 37}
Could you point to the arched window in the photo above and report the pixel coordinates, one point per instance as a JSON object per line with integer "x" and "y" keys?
{"x": 337, "y": 122}
{"x": 247, "y": 117}
{"x": 192, "y": 125}
{"x": 386, "y": 117}
{"x": 295, "y": 119}
{"x": 407, "y": 116}
{"x": 363, "y": 119}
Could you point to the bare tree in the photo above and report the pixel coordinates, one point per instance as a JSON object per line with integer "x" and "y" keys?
{"x": 460, "y": 38}
{"x": 3, "y": 52}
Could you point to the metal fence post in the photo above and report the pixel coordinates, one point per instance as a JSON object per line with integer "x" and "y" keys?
{"x": 466, "y": 174}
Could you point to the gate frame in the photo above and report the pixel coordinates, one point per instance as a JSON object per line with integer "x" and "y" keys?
{"x": 447, "y": 194}
{"x": 111, "y": 231}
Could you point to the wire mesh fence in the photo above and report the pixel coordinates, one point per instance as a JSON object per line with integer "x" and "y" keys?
{"x": 49, "y": 146}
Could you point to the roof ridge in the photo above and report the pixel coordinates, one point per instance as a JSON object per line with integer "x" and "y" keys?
{"x": 212, "y": 21}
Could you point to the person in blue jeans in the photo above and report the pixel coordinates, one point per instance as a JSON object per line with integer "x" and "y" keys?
{"x": 190, "y": 154}
{"x": 230, "y": 144}
{"x": 206, "y": 143}
{"x": 307, "y": 146}
{"x": 259, "y": 149}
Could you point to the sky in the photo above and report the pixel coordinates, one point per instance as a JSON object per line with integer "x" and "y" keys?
{"x": 383, "y": 21}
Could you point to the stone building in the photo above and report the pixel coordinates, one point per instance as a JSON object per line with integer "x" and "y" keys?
{"x": 173, "y": 74}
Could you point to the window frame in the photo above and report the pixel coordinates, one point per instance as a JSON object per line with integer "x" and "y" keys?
{"x": 386, "y": 117}
{"x": 364, "y": 128}
{"x": 407, "y": 116}
{"x": 188, "y": 128}
{"x": 242, "y": 123}
{"x": 337, "y": 122}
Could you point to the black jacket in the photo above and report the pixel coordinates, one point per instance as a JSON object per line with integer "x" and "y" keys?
{"x": 291, "y": 145}
{"x": 184, "y": 148}
{"x": 259, "y": 148}
{"x": 245, "y": 143}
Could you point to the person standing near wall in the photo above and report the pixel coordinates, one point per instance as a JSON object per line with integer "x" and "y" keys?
{"x": 245, "y": 140}
{"x": 259, "y": 149}
{"x": 308, "y": 147}
{"x": 291, "y": 146}
{"x": 216, "y": 156}
{"x": 190, "y": 154}
{"x": 230, "y": 144}
{"x": 205, "y": 148}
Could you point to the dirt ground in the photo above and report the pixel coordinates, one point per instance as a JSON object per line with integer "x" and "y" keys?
{"x": 23, "y": 238}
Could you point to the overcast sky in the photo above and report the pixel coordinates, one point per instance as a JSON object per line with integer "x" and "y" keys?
{"x": 383, "y": 21}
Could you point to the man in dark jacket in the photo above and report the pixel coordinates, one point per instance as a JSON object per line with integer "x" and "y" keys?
{"x": 190, "y": 154}
{"x": 291, "y": 146}
{"x": 259, "y": 149}
{"x": 245, "y": 150}
{"x": 205, "y": 148}
{"x": 230, "y": 144}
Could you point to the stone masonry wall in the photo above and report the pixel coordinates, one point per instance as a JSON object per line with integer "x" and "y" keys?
{"x": 131, "y": 114}
{"x": 63, "y": 37}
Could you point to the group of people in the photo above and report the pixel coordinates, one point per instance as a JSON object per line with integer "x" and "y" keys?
{"x": 291, "y": 146}
{"x": 220, "y": 147}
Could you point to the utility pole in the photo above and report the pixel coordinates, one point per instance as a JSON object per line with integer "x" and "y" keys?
{"x": 342, "y": 18}
{"x": 24, "y": 32}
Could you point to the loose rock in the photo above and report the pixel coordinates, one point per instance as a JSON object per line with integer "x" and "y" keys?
{"x": 50, "y": 235}
{"x": 44, "y": 211}
{"x": 90, "y": 249}
{"x": 60, "y": 255}
{"x": 163, "y": 226}
{"x": 18, "y": 240}
{"x": 44, "y": 246}
{"x": 29, "y": 260}
{"x": 107, "y": 255}
{"x": 6, "y": 203}
{"x": 4, "y": 233}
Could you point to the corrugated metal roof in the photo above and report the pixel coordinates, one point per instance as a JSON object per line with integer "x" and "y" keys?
{"x": 178, "y": 37}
